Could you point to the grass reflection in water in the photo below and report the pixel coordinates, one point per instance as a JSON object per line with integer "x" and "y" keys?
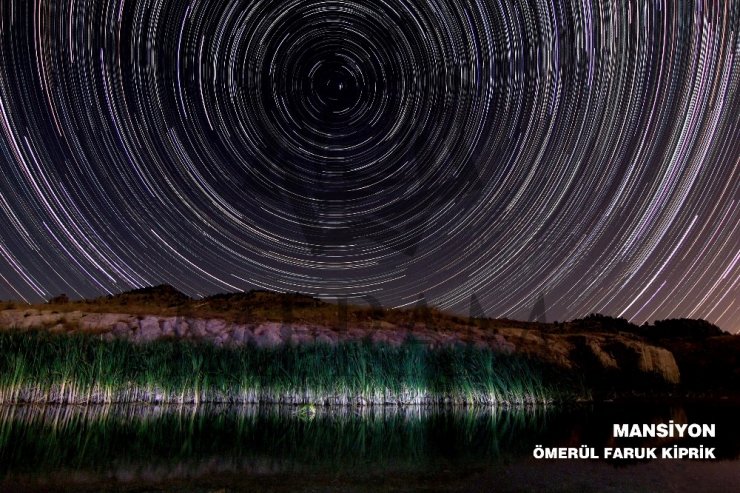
{"x": 106, "y": 439}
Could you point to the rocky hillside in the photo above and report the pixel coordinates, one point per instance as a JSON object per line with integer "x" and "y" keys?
{"x": 603, "y": 357}
{"x": 602, "y": 351}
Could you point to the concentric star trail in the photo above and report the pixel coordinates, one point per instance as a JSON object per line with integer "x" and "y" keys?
{"x": 584, "y": 150}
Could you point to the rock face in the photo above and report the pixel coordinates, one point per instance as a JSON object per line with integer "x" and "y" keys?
{"x": 148, "y": 329}
{"x": 268, "y": 335}
{"x": 598, "y": 352}
{"x": 588, "y": 352}
{"x": 661, "y": 361}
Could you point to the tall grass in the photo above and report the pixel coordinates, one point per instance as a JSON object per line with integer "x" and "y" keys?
{"x": 39, "y": 367}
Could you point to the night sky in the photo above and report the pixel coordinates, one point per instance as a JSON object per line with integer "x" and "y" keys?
{"x": 584, "y": 150}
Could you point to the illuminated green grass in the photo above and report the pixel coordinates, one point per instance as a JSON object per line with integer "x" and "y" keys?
{"x": 40, "y": 367}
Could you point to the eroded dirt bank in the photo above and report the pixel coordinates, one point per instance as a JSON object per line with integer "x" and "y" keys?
{"x": 612, "y": 353}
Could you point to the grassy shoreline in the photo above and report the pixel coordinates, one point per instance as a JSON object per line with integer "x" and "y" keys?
{"x": 38, "y": 367}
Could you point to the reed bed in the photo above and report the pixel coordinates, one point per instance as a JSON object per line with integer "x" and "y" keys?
{"x": 38, "y": 367}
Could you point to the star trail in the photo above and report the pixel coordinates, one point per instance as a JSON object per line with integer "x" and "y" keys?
{"x": 584, "y": 151}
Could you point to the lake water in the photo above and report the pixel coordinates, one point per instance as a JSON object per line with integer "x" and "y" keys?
{"x": 222, "y": 449}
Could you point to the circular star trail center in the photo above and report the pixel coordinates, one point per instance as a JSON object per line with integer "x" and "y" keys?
{"x": 582, "y": 150}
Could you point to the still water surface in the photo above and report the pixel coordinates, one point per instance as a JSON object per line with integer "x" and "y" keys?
{"x": 222, "y": 449}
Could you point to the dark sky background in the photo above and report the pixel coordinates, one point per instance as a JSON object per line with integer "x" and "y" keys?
{"x": 582, "y": 150}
